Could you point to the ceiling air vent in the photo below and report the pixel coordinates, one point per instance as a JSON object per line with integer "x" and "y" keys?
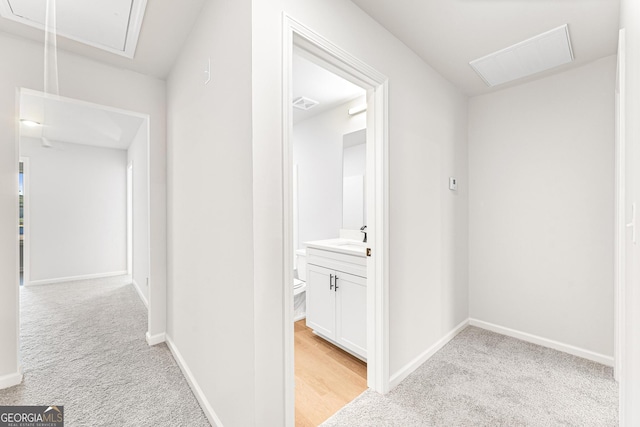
{"x": 304, "y": 103}
{"x": 542, "y": 52}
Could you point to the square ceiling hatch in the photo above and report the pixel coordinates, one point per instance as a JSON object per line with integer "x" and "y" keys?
{"x": 542, "y": 52}
{"x": 111, "y": 25}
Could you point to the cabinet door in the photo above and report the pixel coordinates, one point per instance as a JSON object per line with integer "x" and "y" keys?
{"x": 351, "y": 313}
{"x": 321, "y": 309}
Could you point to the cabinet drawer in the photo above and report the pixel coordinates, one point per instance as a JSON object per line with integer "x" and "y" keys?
{"x": 352, "y": 264}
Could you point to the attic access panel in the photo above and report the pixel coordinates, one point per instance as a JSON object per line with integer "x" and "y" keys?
{"x": 111, "y": 25}
{"x": 542, "y": 52}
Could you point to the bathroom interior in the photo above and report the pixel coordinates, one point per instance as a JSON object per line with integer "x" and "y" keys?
{"x": 329, "y": 233}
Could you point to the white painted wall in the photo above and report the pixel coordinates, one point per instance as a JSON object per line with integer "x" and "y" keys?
{"x": 83, "y": 79}
{"x": 630, "y": 381}
{"x": 137, "y": 156}
{"x": 318, "y": 152}
{"x": 541, "y": 207}
{"x": 78, "y": 221}
{"x": 428, "y": 223}
{"x": 211, "y": 280}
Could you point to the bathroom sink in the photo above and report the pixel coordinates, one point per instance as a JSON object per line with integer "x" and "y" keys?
{"x": 345, "y": 242}
{"x": 352, "y": 247}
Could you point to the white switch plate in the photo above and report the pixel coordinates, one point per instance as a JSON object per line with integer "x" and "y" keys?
{"x": 453, "y": 183}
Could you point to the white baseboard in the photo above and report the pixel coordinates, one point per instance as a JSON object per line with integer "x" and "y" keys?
{"x": 197, "y": 391}
{"x": 534, "y": 339}
{"x": 11, "y": 380}
{"x": 403, "y": 373}
{"x": 140, "y": 294}
{"x": 156, "y": 339}
{"x": 75, "y": 278}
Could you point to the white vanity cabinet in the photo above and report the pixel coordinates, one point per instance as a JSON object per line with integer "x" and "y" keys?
{"x": 337, "y": 297}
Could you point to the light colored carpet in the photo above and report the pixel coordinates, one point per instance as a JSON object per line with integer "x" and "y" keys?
{"x": 83, "y": 346}
{"x": 485, "y": 379}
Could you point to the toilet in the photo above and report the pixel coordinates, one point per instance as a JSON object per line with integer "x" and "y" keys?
{"x": 300, "y": 285}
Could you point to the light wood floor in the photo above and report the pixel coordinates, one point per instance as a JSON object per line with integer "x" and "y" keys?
{"x": 327, "y": 378}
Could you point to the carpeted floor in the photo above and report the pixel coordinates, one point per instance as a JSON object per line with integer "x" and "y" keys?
{"x": 83, "y": 346}
{"x": 485, "y": 379}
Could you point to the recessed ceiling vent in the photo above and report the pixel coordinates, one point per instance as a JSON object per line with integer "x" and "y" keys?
{"x": 304, "y": 103}
{"x": 542, "y": 52}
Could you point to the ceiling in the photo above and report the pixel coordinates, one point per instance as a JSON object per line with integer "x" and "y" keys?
{"x": 165, "y": 28}
{"x": 76, "y": 122}
{"x": 312, "y": 81}
{"x": 448, "y": 34}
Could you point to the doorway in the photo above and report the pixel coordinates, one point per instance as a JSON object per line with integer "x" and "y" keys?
{"x": 23, "y": 197}
{"x": 329, "y": 161}
{"x": 80, "y": 154}
{"x": 330, "y": 57}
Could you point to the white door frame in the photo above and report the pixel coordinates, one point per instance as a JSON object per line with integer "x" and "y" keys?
{"x": 351, "y": 68}
{"x": 620, "y": 220}
{"x": 26, "y": 259}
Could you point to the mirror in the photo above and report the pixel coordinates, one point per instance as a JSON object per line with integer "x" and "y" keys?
{"x": 354, "y": 170}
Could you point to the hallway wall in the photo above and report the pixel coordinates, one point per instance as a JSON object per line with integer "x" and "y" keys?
{"x": 138, "y": 156}
{"x": 541, "y": 159}
{"x": 211, "y": 280}
{"x": 428, "y": 222}
{"x": 77, "y": 209}
{"x": 226, "y": 289}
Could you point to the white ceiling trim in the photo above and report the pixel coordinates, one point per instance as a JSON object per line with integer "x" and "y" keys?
{"x": 134, "y": 26}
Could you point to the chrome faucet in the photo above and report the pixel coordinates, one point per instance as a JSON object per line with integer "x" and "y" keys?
{"x": 363, "y": 229}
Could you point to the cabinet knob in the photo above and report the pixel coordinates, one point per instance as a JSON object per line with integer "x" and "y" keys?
{"x": 335, "y": 281}
{"x": 330, "y": 281}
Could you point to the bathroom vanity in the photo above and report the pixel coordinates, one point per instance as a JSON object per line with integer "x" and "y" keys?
{"x": 337, "y": 293}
